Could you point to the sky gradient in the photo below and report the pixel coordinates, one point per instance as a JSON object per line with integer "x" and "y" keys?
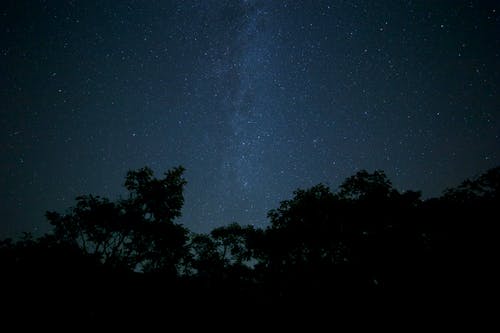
{"x": 254, "y": 98}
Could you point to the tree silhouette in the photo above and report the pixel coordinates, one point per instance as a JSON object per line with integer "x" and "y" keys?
{"x": 485, "y": 187}
{"x": 308, "y": 226}
{"x": 207, "y": 260}
{"x": 225, "y": 253}
{"x": 231, "y": 242}
{"x": 362, "y": 243}
{"x": 365, "y": 186}
{"x": 96, "y": 226}
{"x": 137, "y": 232}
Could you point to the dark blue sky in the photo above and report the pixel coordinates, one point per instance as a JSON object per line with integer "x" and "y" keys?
{"x": 254, "y": 98}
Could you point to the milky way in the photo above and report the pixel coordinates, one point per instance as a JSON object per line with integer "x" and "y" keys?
{"x": 254, "y": 98}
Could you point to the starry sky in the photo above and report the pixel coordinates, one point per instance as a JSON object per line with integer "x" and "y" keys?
{"x": 254, "y": 98}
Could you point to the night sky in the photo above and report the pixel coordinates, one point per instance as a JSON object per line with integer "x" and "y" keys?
{"x": 254, "y": 98}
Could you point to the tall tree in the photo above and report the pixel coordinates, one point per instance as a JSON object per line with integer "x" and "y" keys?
{"x": 137, "y": 232}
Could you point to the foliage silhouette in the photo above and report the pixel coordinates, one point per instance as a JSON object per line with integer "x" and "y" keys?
{"x": 107, "y": 260}
{"x": 137, "y": 232}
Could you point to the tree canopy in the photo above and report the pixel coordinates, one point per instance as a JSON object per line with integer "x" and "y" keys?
{"x": 367, "y": 237}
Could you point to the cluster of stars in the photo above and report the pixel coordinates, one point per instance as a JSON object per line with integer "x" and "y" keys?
{"x": 254, "y": 98}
